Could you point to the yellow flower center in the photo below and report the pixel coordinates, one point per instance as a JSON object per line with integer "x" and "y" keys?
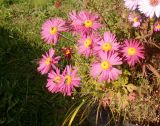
{"x": 135, "y": 20}
{"x": 48, "y": 61}
{"x": 68, "y": 52}
{"x": 53, "y": 30}
{"x": 57, "y": 79}
{"x": 68, "y": 79}
{"x": 106, "y": 46}
{"x": 88, "y": 23}
{"x": 157, "y": 26}
{"x": 105, "y": 65}
{"x": 88, "y": 42}
{"x": 131, "y": 51}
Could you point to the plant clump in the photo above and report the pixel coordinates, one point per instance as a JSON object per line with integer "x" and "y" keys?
{"x": 105, "y": 67}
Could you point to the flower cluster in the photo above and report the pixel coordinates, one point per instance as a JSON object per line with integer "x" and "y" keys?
{"x": 108, "y": 53}
{"x": 63, "y": 83}
{"x": 57, "y": 82}
{"x": 150, "y": 8}
{"x": 104, "y": 62}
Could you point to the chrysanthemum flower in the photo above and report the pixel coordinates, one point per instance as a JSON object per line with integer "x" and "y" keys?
{"x": 132, "y": 51}
{"x": 108, "y": 44}
{"x": 54, "y": 81}
{"x": 131, "y": 4}
{"x": 85, "y": 22}
{"x": 150, "y": 7}
{"x": 86, "y": 44}
{"x": 47, "y": 61}
{"x": 135, "y": 19}
{"x": 104, "y": 69}
{"x": 68, "y": 51}
{"x": 71, "y": 80}
{"x": 157, "y": 26}
{"x": 74, "y": 18}
{"x": 51, "y": 29}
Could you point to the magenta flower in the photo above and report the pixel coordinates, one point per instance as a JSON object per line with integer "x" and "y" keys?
{"x": 54, "y": 81}
{"x": 47, "y": 61}
{"x": 131, "y": 4}
{"x": 74, "y": 18}
{"x": 71, "y": 80}
{"x": 108, "y": 44}
{"x": 104, "y": 69}
{"x": 73, "y": 15}
{"x": 150, "y": 8}
{"x": 157, "y": 26}
{"x": 85, "y": 22}
{"x": 51, "y": 29}
{"x": 135, "y": 19}
{"x": 132, "y": 51}
{"x": 86, "y": 44}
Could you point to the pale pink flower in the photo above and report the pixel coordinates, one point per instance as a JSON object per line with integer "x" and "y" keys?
{"x": 71, "y": 80}
{"x": 104, "y": 69}
{"x": 85, "y": 22}
{"x": 150, "y": 8}
{"x": 132, "y": 97}
{"x": 51, "y": 30}
{"x": 107, "y": 44}
{"x": 86, "y": 44}
{"x": 54, "y": 81}
{"x": 135, "y": 19}
{"x": 47, "y": 61}
{"x": 132, "y": 51}
{"x": 131, "y": 4}
{"x": 106, "y": 101}
{"x": 157, "y": 26}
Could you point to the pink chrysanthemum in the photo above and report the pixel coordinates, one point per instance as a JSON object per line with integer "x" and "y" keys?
{"x": 51, "y": 29}
{"x": 132, "y": 97}
{"x": 132, "y": 51}
{"x": 104, "y": 69}
{"x": 86, "y": 44}
{"x": 74, "y": 17}
{"x": 108, "y": 44}
{"x": 85, "y": 22}
{"x": 47, "y": 61}
{"x": 157, "y": 26}
{"x": 150, "y": 7}
{"x": 135, "y": 19}
{"x": 54, "y": 81}
{"x": 71, "y": 80}
{"x": 131, "y": 4}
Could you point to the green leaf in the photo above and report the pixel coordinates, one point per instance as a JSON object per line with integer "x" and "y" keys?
{"x": 75, "y": 113}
